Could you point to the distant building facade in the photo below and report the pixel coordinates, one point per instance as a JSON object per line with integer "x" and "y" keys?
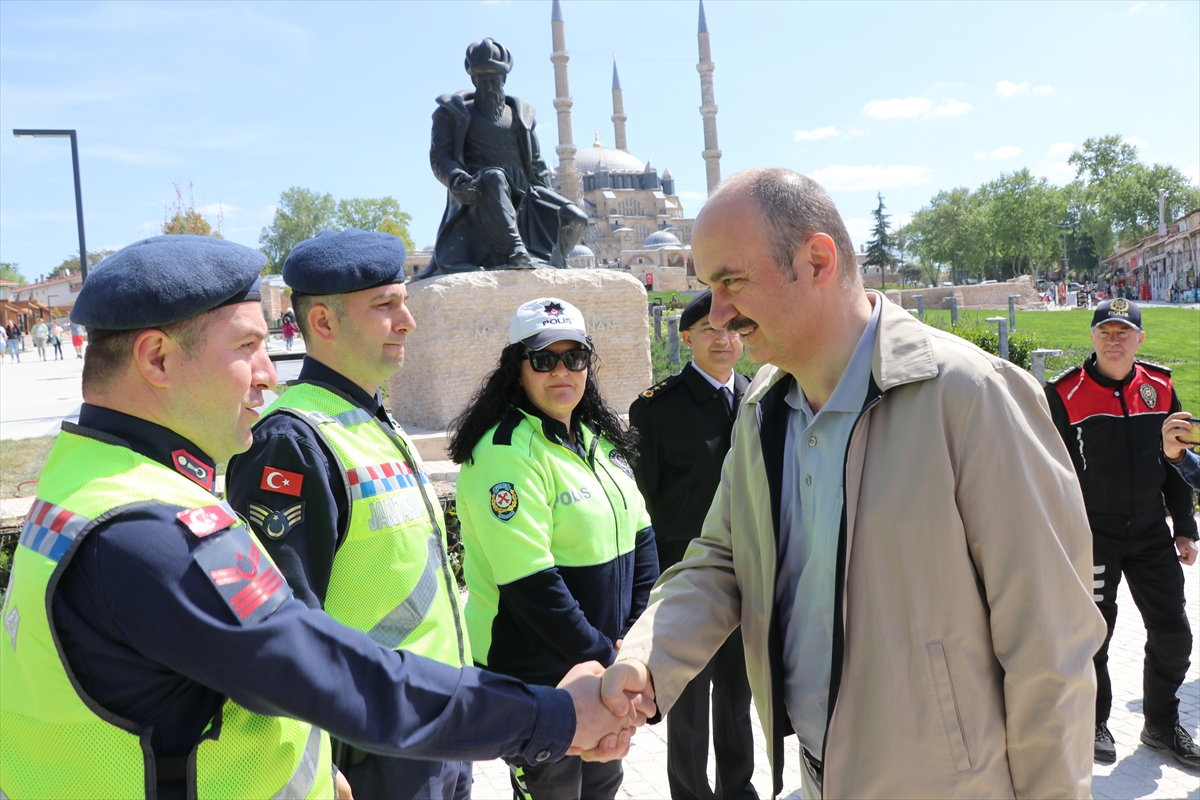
{"x": 1160, "y": 262}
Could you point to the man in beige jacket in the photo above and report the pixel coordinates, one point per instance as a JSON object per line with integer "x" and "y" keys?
{"x": 931, "y": 636}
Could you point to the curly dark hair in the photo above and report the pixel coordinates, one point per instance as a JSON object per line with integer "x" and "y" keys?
{"x": 501, "y": 391}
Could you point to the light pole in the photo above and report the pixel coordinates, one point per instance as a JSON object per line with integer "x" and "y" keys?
{"x": 26, "y": 133}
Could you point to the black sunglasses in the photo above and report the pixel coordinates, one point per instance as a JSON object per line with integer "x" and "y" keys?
{"x": 546, "y": 360}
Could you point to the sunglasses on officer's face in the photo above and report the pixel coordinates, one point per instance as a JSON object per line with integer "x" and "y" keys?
{"x": 546, "y": 360}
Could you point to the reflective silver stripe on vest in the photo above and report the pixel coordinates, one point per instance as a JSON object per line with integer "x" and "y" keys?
{"x": 315, "y": 416}
{"x": 50, "y": 529}
{"x": 3, "y": 796}
{"x": 404, "y": 618}
{"x": 354, "y": 416}
{"x": 302, "y": 780}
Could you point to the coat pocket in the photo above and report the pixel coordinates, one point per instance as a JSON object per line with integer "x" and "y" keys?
{"x": 948, "y": 704}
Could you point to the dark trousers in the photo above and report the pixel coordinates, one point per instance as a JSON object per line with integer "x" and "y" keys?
{"x": 687, "y": 724}
{"x": 1151, "y": 565}
{"x": 572, "y": 778}
{"x": 383, "y": 778}
{"x": 733, "y": 738}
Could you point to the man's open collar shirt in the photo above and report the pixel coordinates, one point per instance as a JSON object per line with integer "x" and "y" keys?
{"x": 810, "y": 515}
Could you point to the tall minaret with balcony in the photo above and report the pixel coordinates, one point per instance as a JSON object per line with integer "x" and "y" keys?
{"x": 708, "y": 107}
{"x": 568, "y": 181}
{"x": 618, "y": 116}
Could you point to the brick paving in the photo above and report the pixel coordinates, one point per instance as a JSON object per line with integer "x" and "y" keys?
{"x": 1139, "y": 772}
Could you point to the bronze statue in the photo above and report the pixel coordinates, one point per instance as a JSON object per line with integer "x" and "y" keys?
{"x": 501, "y": 212}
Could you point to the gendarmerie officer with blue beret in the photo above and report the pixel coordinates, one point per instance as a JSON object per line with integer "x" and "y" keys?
{"x": 684, "y": 425}
{"x": 150, "y": 647}
{"x": 338, "y": 493}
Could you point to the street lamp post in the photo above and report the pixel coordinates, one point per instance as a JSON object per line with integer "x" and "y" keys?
{"x": 26, "y": 133}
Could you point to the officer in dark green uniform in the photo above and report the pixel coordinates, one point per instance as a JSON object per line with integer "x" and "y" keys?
{"x": 150, "y": 647}
{"x": 338, "y": 493}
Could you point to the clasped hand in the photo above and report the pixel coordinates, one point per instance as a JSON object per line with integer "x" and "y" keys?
{"x": 609, "y": 706}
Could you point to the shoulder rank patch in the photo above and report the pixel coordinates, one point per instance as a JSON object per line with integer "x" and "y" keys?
{"x": 1155, "y": 367}
{"x": 619, "y": 461}
{"x": 192, "y": 468}
{"x": 1149, "y": 395}
{"x": 276, "y": 524}
{"x": 203, "y": 521}
{"x": 1064, "y": 374}
{"x": 246, "y": 579}
{"x": 504, "y": 501}
{"x": 656, "y": 388}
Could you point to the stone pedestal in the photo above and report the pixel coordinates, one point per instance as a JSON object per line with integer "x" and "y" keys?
{"x": 463, "y": 321}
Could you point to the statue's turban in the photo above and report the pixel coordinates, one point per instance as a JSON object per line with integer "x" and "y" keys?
{"x": 488, "y": 56}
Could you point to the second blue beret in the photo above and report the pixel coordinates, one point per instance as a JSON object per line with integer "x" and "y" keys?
{"x": 340, "y": 262}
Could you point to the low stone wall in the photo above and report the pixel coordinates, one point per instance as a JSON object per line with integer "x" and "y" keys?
{"x": 463, "y": 321}
{"x": 979, "y": 296}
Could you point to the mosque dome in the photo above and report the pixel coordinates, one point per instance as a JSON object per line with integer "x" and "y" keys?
{"x": 582, "y": 251}
{"x": 599, "y": 158}
{"x": 660, "y": 239}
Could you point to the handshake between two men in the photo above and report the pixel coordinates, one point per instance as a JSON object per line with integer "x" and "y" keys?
{"x": 609, "y": 705}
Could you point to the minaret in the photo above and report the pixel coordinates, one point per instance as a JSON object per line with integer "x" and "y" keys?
{"x": 708, "y": 109}
{"x": 618, "y": 116}
{"x": 568, "y": 182}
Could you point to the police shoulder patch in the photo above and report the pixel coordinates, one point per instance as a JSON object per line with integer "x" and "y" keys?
{"x": 659, "y": 387}
{"x": 1154, "y": 367}
{"x": 504, "y": 501}
{"x": 245, "y": 578}
{"x": 620, "y": 463}
{"x": 1063, "y": 374}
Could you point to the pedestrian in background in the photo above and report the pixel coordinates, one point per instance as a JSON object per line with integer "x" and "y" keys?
{"x": 3, "y": 344}
{"x": 56, "y": 334}
{"x": 14, "y": 341}
{"x": 77, "y": 338}
{"x": 559, "y": 551}
{"x": 1110, "y": 412}
{"x": 41, "y": 332}
{"x": 684, "y": 425}
{"x": 289, "y": 333}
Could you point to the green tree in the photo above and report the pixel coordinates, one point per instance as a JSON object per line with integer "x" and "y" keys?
{"x": 71, "y": 263}
{"x": 369, "y": 214}
{"x": 879, "y": 245}
{"x": 9, "y": 272}
{"x": 1022, "y": 210}
{"x": 301, "y": 214}
{"x": 186, "y": 219}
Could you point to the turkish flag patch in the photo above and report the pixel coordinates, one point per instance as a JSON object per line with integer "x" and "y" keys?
{"x": 246, "y": 579}
{"x": 281, "y": 481}
{"x": 206, "y": 520}
{"x": 192, "y": 468}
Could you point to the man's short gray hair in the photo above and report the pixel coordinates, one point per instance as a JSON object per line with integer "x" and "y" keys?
{"x": 794, "y": 207}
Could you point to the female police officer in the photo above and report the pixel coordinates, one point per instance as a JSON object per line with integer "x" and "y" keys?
{"x": 560, "y": 554}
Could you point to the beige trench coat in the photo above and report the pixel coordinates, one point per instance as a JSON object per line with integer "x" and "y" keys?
{"x": 969, "y": 625}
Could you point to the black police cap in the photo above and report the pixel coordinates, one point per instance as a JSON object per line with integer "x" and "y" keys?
{"x": 695, "y": 311}
{"x": 340, "y": 262}
{"x": 166, "y": 279}
{"x": 1117, "y": 310}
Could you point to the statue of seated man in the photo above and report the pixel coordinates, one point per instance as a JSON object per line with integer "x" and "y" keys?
{"x": 501, "y": 212}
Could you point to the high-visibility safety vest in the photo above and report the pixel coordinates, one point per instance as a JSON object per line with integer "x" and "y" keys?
{"x": 52, "y": 742}
{"x": 391, "y": 576}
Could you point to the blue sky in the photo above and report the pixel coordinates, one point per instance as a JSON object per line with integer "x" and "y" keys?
{"x": 247, "y": 99}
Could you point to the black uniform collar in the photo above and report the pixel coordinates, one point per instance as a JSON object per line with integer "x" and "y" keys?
{"x": 147, "y": 439}
{"x": 1093, "y": 371}
{"x": 314, "y": 371}
{"x": 554, "y": 430}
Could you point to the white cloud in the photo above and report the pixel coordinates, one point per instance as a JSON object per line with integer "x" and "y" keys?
{"x": 1193, "y": 173}
{"x": 859, "y": 228}
{"x": 949, "y": 108}
{"x": 224, "y": 209}
{"x": 1061, "y": 149}
{"x": 1137, "y": 8}
{"x": 900, "y": 219}
{"x": 1057, "y": 172}
{"x": 1009, "y": 89}
{"x": 870, "y": 178}
{"x": 897, "y": 108}
{"x": 1135, "y": 141}
{"x": 1043, "y": 90}
{"x": 981, "y": 155}
{"x": 828, "y": 132}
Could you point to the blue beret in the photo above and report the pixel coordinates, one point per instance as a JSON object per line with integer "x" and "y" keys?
{"x": 166, "y": 279}
{"x": 340, "y": 262}
{"x": 695, "y": 311}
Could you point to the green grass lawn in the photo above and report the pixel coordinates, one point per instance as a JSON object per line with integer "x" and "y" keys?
{"x": 1172, "y": 340}
{"x": 22, "y": 460}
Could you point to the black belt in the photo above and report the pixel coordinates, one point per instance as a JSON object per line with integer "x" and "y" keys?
{"x": 814, "y": 765}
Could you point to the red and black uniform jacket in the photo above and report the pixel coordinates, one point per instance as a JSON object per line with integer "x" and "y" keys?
{"x": 1113, "y": 431}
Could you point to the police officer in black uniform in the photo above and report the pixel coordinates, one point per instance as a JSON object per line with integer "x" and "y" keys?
{"x": 684, "y": 424}
{"x": 1110, "y": 413}
{"x": 141, "y": 605}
